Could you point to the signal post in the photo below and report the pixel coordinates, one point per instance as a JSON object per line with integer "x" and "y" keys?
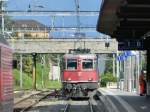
{"x": 34, "y": 71}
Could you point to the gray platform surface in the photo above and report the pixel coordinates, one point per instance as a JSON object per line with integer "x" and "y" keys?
{"x": 127, "y": 101}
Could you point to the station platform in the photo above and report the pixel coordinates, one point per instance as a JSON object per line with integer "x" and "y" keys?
{"x": 117, "y": 100}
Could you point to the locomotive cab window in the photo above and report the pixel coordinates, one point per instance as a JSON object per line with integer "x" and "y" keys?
{"x": 71, "y": 64}
{"x": 87, "y": 64}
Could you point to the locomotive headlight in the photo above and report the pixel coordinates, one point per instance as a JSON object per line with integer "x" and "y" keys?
{"x": 69, "y": 79}
{"x": 90, "y": 79}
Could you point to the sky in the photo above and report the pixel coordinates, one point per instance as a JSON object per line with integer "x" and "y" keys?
{"x": 58, "y": 5}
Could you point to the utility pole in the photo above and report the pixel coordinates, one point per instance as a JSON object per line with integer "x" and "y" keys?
{"x": 34, "y": 70}
{"x": 78, "y": 33}
{"x": 58, "y": 64}
{"x": 78, "y": 18}
{"x": 21, "y": 83}
{"x": 2, "y": 16}
{"x": 43, "y": 63}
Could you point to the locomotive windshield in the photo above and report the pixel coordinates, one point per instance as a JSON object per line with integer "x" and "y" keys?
{"x": 87, "y": 64}
{"x": 71, "y": 64}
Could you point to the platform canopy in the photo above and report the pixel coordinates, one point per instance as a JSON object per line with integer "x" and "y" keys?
{"x": 125, "y": 19}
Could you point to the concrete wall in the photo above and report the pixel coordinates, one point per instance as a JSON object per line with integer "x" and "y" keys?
{"x": 61, "y": 45}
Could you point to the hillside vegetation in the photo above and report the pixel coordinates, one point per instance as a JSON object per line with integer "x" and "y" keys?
{"x": 41, "y": 82}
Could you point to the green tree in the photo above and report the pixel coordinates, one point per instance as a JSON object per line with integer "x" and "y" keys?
{"x": 27, "y": 64}
{"x": 54, "y": 58}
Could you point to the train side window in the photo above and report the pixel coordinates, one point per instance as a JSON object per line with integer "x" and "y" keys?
{"x": 71, "y": 64}
{"x": 87, "y": 64}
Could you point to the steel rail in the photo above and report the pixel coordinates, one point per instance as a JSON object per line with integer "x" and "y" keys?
{"x": 66, "y": 108}
{"x": 22, "y": 100}
{"x": 36, "y": 101}
{"x": 90, "y": 106}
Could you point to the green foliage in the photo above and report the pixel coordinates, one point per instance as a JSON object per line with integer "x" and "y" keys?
{"x": 108, "y": 77}
{"x": 144, "y": 63}
{"x": 44, "y": 69}
{"x": 27, "y": 64}
{"x": 27, "y": 81}
{"x": 27, "y": 73}
{"x": 54, "y": 58}
{"x": 40, "y": 69}
{"x": 53, "y": 84}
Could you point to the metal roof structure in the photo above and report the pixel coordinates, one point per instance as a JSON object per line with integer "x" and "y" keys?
{"x": 125, "y": 19}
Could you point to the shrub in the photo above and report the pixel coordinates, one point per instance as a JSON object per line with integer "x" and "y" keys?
{"x": 108, "y": 77}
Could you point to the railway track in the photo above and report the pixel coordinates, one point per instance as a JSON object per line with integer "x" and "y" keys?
{"x": 93, "y": 104}
{"x": 29, "y": 102}
{"x": 85, "y": 106}
{"x": 50, "y": 101}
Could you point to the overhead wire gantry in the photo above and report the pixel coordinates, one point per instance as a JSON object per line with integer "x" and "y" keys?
{"x": 53, "y": 13}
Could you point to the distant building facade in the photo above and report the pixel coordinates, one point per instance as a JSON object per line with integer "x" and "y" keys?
{"x": 54, "y": 73}
{"x": 30, "y": 29}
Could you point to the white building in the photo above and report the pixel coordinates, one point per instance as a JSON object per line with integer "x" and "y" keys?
{"x": 54, "y": 73}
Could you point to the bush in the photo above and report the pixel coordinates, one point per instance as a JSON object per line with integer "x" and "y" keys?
{"x": 108, "y": 77}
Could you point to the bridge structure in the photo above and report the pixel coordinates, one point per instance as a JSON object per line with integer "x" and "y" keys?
{"x": 61, "y": 46}
{"x": 25, "y": 46}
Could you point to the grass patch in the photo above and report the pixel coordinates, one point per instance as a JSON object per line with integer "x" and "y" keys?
{"x": 27, "y": 81}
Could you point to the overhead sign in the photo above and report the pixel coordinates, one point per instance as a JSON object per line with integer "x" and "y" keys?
{"x": 131, "y": 44}
{"x": 126, "y": 54}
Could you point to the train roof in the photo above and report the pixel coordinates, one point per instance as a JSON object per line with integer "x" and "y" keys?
{"x": 91, "y": 56}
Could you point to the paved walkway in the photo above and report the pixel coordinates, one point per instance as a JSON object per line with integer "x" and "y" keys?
{"x": 127, "y": 101}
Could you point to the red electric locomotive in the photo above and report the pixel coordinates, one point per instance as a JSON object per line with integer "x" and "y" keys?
{"x": 79, "y": 75}
{"x": 6, "y": 78}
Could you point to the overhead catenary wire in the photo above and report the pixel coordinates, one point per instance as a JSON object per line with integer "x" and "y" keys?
{"x": 38, "y": 10}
